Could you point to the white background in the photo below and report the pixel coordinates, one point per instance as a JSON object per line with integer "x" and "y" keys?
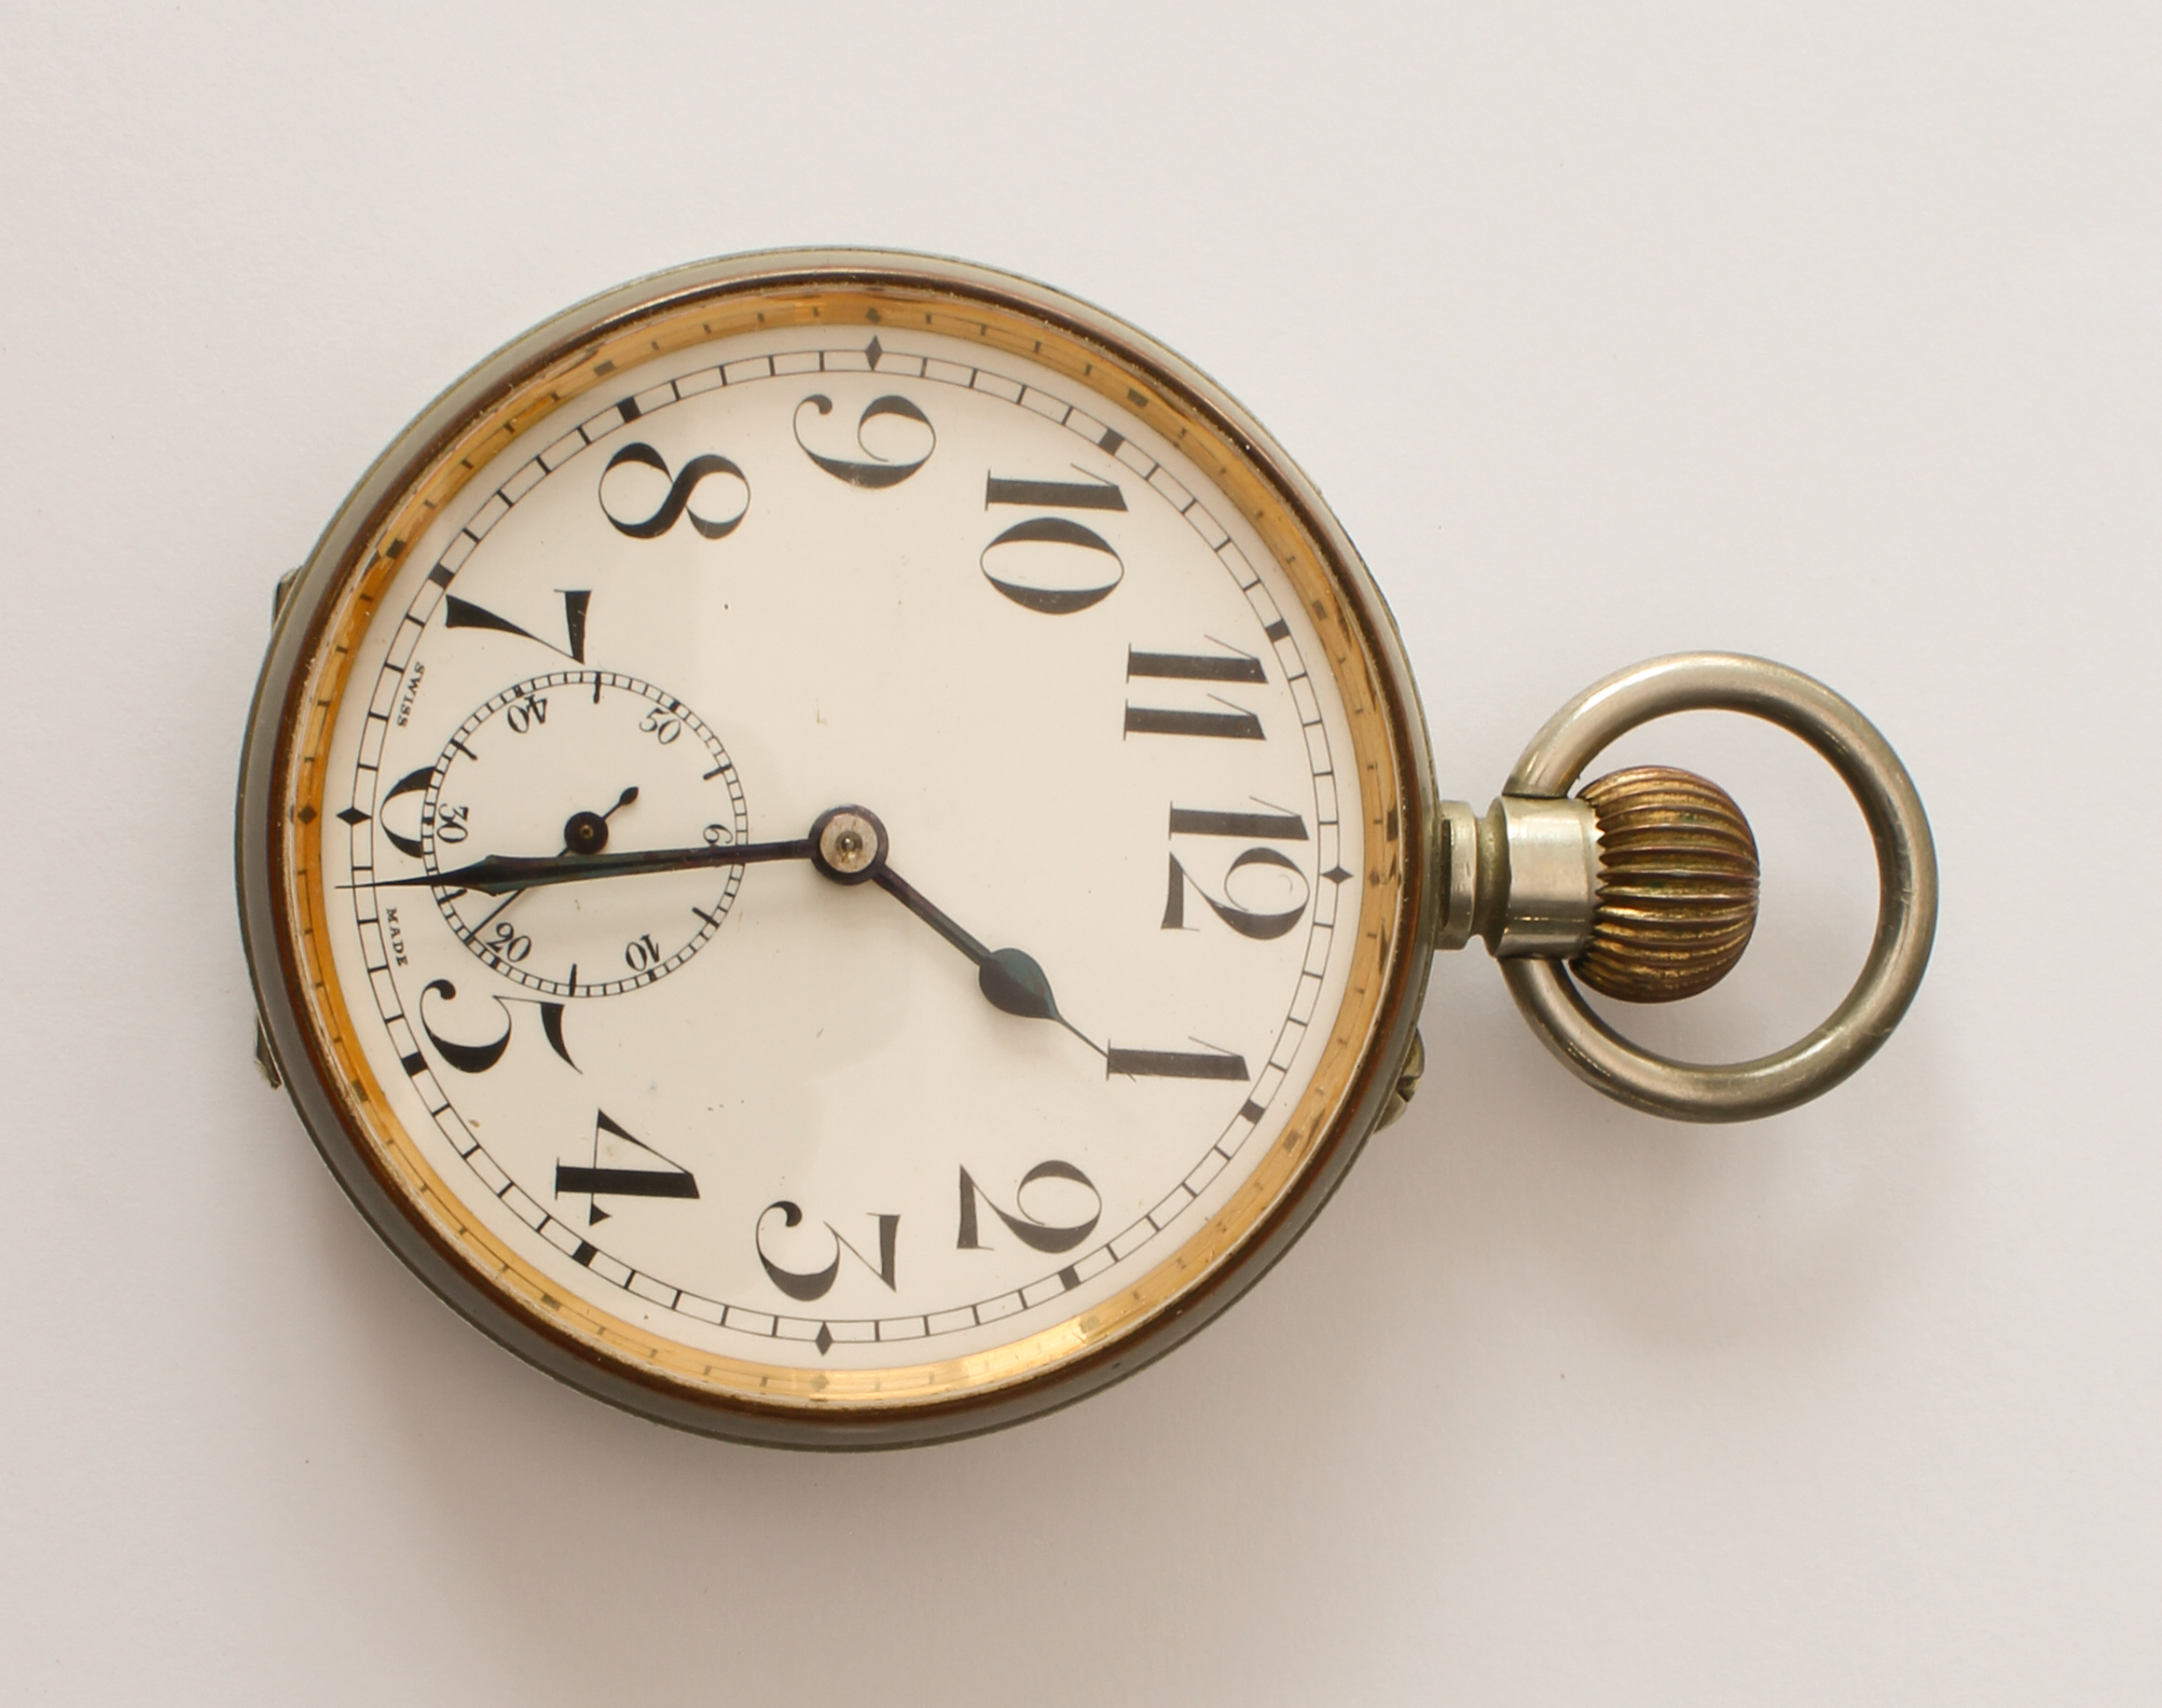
{"x": 1828, "y": 332}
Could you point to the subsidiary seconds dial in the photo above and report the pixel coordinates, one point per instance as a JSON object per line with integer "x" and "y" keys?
{"x": 566, "y": 766}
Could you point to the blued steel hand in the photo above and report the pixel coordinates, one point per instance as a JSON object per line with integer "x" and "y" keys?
{"x": 848, "y": 844}
{"x": 851, "y": 847}
{"x": 1010, "y": 979}
{"x": 500, "y": 874}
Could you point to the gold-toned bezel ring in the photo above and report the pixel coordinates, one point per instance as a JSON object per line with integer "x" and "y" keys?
{"x": 1906, "y": 873}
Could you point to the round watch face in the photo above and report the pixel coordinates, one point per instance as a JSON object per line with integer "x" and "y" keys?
{"x": 833, "y": 849}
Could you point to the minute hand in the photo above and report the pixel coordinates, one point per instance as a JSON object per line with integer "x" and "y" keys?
{"x": 498, "y": 874}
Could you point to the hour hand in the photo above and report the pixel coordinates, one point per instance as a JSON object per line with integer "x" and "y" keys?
{"x": 849, "y": 846}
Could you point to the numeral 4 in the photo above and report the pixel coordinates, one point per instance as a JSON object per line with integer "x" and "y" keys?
{"x": 623, "y": 1167}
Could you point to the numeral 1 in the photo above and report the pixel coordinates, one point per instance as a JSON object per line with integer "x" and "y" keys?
{"x": 1090, "y": 494}
{"x": 1174, "y": 1063}
{"x": 1269, "y": 826}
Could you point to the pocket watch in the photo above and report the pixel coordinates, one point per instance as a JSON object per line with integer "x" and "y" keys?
{"x": 837, "y": 849}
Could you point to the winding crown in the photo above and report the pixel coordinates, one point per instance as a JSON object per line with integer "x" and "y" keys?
{"x": 1678, "y": 885}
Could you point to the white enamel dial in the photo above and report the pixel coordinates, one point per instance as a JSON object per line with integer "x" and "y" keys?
{"x": 840, "y": 855}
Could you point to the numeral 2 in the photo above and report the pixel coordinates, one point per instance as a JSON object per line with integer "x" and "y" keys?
{"x": 1032, "y": 1231}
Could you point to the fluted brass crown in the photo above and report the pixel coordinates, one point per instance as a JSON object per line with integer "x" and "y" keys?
{"x": 1678, "y": 885}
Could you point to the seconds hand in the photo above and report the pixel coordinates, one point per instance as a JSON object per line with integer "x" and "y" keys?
{"x": 585, "y": 833}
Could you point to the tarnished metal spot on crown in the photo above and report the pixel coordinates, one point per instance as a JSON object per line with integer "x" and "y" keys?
{"x": 1678, "y": 885}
